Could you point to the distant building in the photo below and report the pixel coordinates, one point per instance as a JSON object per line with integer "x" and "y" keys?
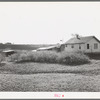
{"x": 88, "y": 44}
{"x": 8, "y": 52}
{"x": 58, "y": 48}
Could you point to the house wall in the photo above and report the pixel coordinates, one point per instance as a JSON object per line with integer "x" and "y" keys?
{"x": 91, "y": 46}
{"x": 76, "y": 47}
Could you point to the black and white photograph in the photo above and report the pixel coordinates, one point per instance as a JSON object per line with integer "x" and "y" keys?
{"x": 50, "y": 47}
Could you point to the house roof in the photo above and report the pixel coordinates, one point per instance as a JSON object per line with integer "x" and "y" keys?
{"x": 80, "y": 40}
{"x": 46, "y": 48}
{"x": 5, "y": 51}
{"x": 50, "y": 47}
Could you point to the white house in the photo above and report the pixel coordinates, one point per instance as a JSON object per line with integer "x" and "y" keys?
{"x": 88, "y": 44}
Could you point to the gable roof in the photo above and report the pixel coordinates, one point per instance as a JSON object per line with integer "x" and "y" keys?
{"x": 80, "y": 40}
{"x": 50, "y": 47}
{"x": 46, "y": 48}
{"x": 5, "y": 51}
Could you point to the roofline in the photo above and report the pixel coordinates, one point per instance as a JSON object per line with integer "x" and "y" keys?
{"x": 8, "y": 51}
{"x": 86, "y": 41}
{"x": 74, "y": 43}
{"x": 43, "y": 48}
{"x": 96, "y": 39}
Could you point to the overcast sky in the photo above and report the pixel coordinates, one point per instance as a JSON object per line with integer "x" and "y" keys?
{"x": 47, "y": 22}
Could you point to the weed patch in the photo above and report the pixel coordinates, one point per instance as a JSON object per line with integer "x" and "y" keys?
{"x": 51, "y": 57}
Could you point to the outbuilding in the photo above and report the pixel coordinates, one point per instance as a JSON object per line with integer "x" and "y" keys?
{"x": 8, "y": 52}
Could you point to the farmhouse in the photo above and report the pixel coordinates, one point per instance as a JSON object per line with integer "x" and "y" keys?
{"x": 88, "y": 44}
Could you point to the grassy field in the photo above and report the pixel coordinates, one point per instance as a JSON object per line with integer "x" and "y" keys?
{"x": 50, "y": 77}
{"x": 22, "y": 46}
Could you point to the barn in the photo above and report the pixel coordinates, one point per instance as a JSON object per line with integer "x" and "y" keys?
{"x": 87, "y": 44}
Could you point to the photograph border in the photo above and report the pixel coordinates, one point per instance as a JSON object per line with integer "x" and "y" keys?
{"x": 84, "y": 97}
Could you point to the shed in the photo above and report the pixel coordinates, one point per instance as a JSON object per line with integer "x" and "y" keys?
{"x": 8, "y": 52}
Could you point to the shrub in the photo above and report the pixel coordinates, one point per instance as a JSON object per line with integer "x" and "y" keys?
{"x": 72, "y": 58}
{"x": 14, "y": 57}
{"x": 41, "y": 56}
{"x": 51, "y": 57}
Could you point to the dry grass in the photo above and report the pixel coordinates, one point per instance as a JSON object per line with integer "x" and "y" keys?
{"x": 49, "y": 82}
{"x": 2, "y": 57}
{"x": 50, "y": 77}
{"x": 33, "y": 68}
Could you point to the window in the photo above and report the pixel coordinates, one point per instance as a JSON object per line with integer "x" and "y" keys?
{"x": 72, "y": 46}
{"x": 95, "y": 46}
{"x": 79, "y": 47}
{"x": 87, "y": 46}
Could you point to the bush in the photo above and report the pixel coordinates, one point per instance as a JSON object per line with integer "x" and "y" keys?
{"x": 51, "y": 57}
{"x": 72, "y": 58}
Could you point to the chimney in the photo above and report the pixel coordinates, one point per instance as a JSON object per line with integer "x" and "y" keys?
{"x": 77, "y": 36}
